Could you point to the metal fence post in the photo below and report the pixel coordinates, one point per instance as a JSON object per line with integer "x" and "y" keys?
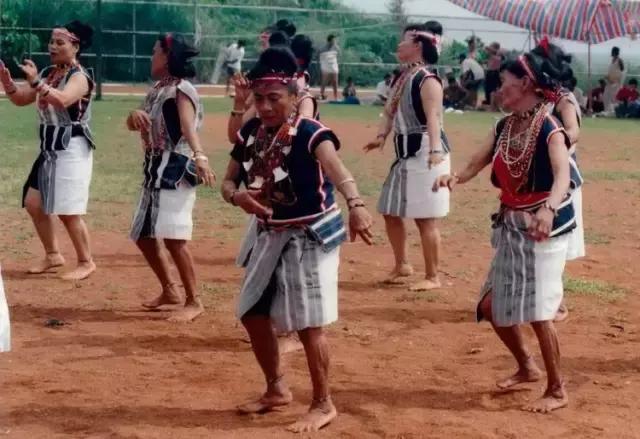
{"x": 30, "y": 49}
{"x": 134, "y": 42}
{"x": 99, "y": 50}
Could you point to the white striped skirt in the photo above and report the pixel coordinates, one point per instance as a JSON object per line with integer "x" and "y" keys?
{"x": 525, "y": 278}
{"x": 576, "y": 238}
{"x": 5, "y": 326}
{"x": 407, "y": 191}
{"x": 63, "y": 178}
{"x": 303, "y": 276}
{"x": 164, "y": 213}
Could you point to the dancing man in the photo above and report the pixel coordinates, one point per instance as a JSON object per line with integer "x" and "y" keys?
{"x": 290, "y": 168}
{"x": 61, "y": 175}
{"x": 414, "y": 113}
{"x": 174, "y": 163}
{"x": 528, "y": 154}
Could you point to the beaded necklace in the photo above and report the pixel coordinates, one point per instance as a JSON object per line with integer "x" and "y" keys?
{"x": 398, "y": 87}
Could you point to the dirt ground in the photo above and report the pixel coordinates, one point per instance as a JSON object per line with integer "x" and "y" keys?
{"x": 404, "y": 365}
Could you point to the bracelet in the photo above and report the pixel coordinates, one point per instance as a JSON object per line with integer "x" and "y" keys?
{"x": 436, "y": 151}
{"x": 237, "y": 112}
{"x": 553, "y": 210}
{"x": 350, "y": 199}
{"x": 345, "y": 181}
{"x": 201, "y": 157}
{"x": 361, "y": 204}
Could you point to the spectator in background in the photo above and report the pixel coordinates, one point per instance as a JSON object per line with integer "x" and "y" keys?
{"x": 472, "y": 78}
{"x": 233, "y": 56}
{"x": 455, "y": 96}
{"x": 595, "y": 102}
{"x": 382, "y": 90}
{"x": 328, "y": 57}
{"x": 578, "y": 93}
{"x": 615, "y": 78}
{"x": 492, "y": 80}
{"x": 628, "y": 97}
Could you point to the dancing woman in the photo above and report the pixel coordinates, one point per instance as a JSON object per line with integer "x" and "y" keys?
{"x": 61, "y": 175}
{"x": 174, "y": 163}
{"x": 528, "y": 154}
{"x": 291, "y": 169}
{"x": 414, "y": 114}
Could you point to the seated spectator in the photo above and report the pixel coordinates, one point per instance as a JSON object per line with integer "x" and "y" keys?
{"x": 627, "y": 98}
{"x": 454, "y": 95}
{"x": 382, "y": 90}
{"x": 595, "y": 102}
{"x": 348, "y": 94}
{"x": 578, "y": 93}
{"x": 471, "y": 79}
{"x": 492, "y": 80}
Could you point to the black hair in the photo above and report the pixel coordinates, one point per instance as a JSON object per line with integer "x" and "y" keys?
{"x": 615, "y": 51}
{"x": 279, "y": 38}
{"x": 429, "y": 49}
{"x": 602, "y": 82}
{"x": 387, "y": 76}
{"x": 451, "y": 79}
{"x": 434, "y": 27}
{"x": 349, "y": 79}
{"x": 277, "y": 59}
{"x": 396, "y": 72}
{"x": 330, "y": 38}
{"x": 549, "y": 64}
{"x": 242, "y": 43}
{"x": 83, "y": 31}
{"x": 573, "y": 83}
{"x": 462, "y": 57}
{"x": 633, "y": 81}
{"x": 285, "y": 26}
{"x": 302, "y": 48}
{"x": 179, "y": 53}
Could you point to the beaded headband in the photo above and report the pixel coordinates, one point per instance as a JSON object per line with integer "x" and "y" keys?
{"x": 272, "y": 78}
{"x": 61, "y": 32}
{"x": 436, "y": 40}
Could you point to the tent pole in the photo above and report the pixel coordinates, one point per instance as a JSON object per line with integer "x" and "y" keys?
{"x": 589, "y": 65}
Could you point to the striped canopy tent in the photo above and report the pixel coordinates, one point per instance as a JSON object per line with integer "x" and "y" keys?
{"x": 589, "y": 21}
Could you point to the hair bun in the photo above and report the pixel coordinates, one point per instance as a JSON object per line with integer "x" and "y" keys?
{"x": 83, "y": 31}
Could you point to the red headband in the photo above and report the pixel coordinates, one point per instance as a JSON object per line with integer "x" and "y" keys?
{"x": 273, "y": 78}
{"x": 169, "y": 40}
{"x": 61, "y": 32}
{"x": 527, "y": 68}
{"x": 435, "y": 39}
{"x": 549, "y": 95}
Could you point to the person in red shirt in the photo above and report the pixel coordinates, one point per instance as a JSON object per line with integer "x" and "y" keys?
{"x": 627, "y": 96}
{"x": 595, "y": 104}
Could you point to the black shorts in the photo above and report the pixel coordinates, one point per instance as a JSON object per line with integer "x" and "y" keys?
{"x": 262, "y": 308}
{"x": 230, "y": 71}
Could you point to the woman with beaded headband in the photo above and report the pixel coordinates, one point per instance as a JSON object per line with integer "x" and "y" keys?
{"x": 566, "y": 109}
{"x": 61, "y": 175}
{"x": 174, "y": 164}
{"x": 414, "y": 113}
{"x": 528, "y": 154}
{"x": 290, "y": 168}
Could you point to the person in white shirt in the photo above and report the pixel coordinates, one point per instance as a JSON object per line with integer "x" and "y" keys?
{"x": 328, "y": 57}
{"x": 382, "y": 90}
{"x": 233, "y": 56}
{"x": 472, "y": 77}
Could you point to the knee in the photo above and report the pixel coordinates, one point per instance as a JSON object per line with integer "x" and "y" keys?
{"x": 69, "y": 219}
{"x": 175, "y": 245}
{"x": 147, "y": 244}
{"x": 485, "y": 308}
{"x": 427, "y": 226}
{"x": 311, "y": 336}
{"x": 33, "y": 207}
{"x": 393, "y": 220}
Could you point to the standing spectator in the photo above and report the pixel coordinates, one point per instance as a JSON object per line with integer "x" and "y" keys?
{"x": 382, "y": 90}
{"x": 615, "y": 78}
{"x": 595, "y": 102}
{"x": 233, "y": 56}
{"x": 472, "y": 78}
{"x": 578, "y": 93}
{"x": 328, "y": 56}
{"x": 492, "y": 80}
{"x": 627, "y": 97}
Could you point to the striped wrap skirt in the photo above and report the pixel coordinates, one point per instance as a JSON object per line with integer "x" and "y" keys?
{"x": 164, "y": 213}
{"x": 303, "y": 274}
{"x": 576, "y": 241}
{"x": 525, "y": 278}
{"x": 5, "y": 328}
{"x": 407, "y": 191}
{"x": 63, "y": 178}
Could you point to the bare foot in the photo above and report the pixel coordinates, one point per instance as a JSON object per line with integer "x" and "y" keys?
{"x": 82, "y": 271}
{"x": 397, "y": 275}
{"x": 320, "y": 414}
{"x": 277, "y": 395}
{"x": 530, "y": 373}
{"x": 50, "y": 261}
{"x": 562, "y": 314}
{"x": 289, "y": 343}
{"x": 192, "y": 309}
{"x": 550, "y": 401}
{"x": 168, "y": 296}
{"x": 426, "y": 285}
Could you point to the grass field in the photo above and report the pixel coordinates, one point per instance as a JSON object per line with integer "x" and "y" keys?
{"x": 405, "y": 365}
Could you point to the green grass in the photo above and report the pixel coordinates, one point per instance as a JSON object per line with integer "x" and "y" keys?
{"x": 593, "y": 288}
{"x": 611, "y": 175}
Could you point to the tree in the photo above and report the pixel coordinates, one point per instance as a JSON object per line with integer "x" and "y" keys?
{"x": 397, "y": 7}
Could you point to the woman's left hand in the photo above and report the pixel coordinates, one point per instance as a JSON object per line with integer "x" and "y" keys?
{"x": 360, "y": 222}
{"x": 435, "y": 158}
{"x": 540, "y": 227}
{"x": 204, "y": 172}
{"x": 29, "y": 69}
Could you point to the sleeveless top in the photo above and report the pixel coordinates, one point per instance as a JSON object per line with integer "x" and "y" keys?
{"x": 304, "y": 191}
{"x": 530, "y": 190}
{"x": 167, "y": 153}
{"x": 410, "y": 120}
{"x": 59, "y": 125}
{"x": 576, "y": 176}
